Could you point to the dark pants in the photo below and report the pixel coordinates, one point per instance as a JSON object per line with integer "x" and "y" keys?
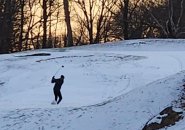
{"x": 57, "y": 94}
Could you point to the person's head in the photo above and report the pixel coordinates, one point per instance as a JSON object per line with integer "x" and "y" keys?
{"x": 62, "y": 76}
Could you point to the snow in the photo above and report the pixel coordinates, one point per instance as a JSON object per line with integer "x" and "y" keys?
{"x": 114, "y": 86}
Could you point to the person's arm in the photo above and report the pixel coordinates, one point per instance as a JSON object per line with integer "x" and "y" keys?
{"x": 53, "y": 79}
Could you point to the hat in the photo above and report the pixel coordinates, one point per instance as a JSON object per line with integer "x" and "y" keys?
{"x": 62, "y": 76}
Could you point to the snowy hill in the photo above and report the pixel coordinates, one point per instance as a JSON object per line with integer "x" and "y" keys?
{"x": 115, "y": 86}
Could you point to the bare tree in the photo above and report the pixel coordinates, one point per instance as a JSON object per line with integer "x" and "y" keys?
{"x": 88, "y": 22}
{"x": 95, "y": 17}
{"x": 56, "y": 24}
{"x": 175, "y": 17}
{"x": 48, "y": 9}
{"x": 170, "y": 19}
{"x": 31, "y": 14}
{"x": 127, "y": 20}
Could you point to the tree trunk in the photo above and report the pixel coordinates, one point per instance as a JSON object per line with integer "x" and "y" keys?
{"x": 91, "y": 22}
{"x": 125, "y": 19}
{"x": 22, "y": 25}
{"x": 6, "y": 28}
{"x": 68, "y": 23}
{"x": 44, "y": 45}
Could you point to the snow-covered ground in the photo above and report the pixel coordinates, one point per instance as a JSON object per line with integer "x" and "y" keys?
{"x": 115, "y": 86}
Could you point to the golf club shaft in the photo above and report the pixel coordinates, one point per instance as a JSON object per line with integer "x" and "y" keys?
{"x": 58, "y": 70}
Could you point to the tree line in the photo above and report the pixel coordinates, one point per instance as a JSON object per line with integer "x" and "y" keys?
{"x": 36, "y": 24}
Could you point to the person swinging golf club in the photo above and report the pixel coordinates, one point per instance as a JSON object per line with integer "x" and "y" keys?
{"x": 56, "y": 89}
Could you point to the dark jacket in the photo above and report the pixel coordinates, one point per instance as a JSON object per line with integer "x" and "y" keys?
{"x": 58, "y": 83}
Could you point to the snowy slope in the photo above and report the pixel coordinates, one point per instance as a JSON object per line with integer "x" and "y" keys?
{"x": 115, "y": 86}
